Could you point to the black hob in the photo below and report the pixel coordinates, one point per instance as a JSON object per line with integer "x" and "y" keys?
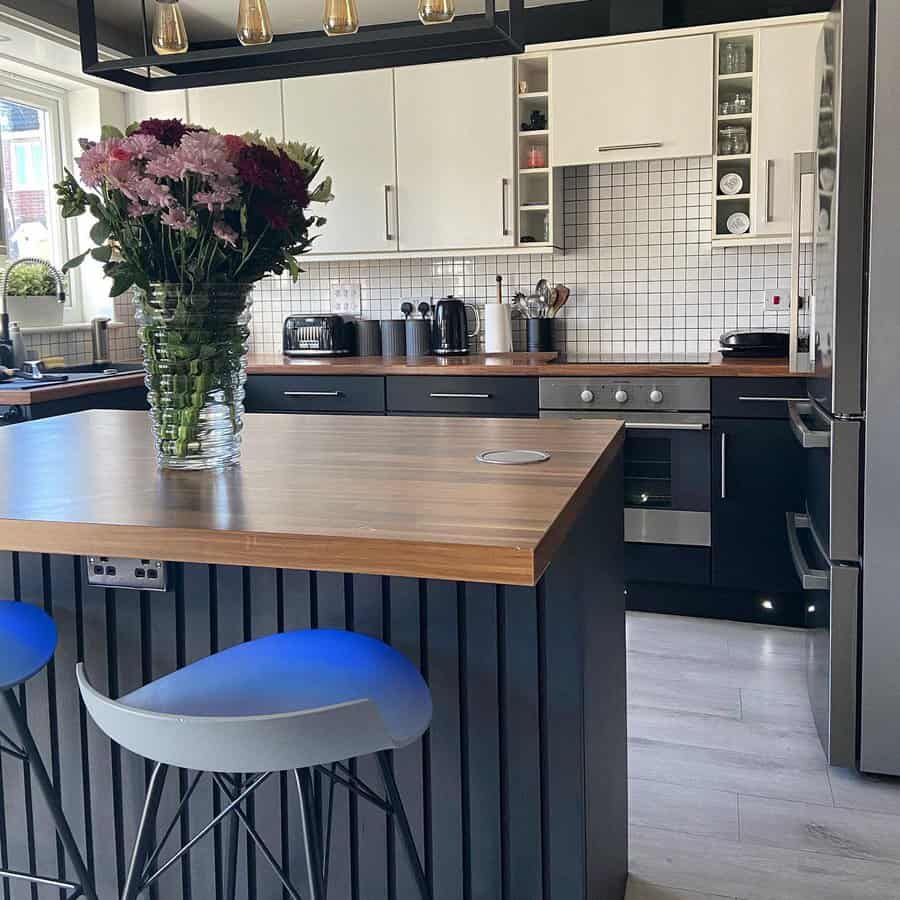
{"x": 634, "y": 358}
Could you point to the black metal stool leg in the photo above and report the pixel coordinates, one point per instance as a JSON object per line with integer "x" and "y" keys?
{"x": 51, "y": 798}
{"x": 312, "y": 832}
{"x": 146, "y": 834}
{"x": 396, "y": 802}
{"x": 231, "y": 852}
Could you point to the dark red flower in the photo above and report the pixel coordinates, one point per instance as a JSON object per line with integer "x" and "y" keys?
{"x": 258, "y": 166}
{"x": 166, "y": 131}
{"x": 294, "y": 181}
{"x": 275, "y": 214}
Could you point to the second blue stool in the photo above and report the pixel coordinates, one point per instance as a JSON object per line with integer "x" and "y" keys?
{"x": 304, "y": 701}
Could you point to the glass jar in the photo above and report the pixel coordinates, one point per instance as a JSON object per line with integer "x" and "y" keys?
{"x": 733, "y": 140}
{"x": 537, "y": 157}
{"x": 732, "y": 58}
{"x": 735, "y": 104}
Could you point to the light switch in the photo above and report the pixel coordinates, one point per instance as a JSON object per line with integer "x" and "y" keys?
{"x": 778, "y": 299}
{"x": 345, "y": 299}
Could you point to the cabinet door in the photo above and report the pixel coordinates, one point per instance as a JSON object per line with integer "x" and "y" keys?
{"x": 351, "y": 118}
{"x": 785, "y": 120}
{"x": 644, "y": 100}
{"x": 455, "y": 154}
{"x": 157, "y": 105}
{"x": 236, "y": 108}
{"x": 758, "y": 476}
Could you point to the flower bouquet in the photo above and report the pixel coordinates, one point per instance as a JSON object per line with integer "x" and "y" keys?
{"x": 190, "y": 219}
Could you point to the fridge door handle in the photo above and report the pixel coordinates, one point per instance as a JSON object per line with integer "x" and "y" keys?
{"x": 810, "y": 579}
{"x": 808, "y": 438}
{"x": 804, "y": 164}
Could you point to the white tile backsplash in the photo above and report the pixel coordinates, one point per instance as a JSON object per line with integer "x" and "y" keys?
{"x": 638, "y": 258}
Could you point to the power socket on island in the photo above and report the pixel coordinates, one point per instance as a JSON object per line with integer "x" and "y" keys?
{"x": 346, "y": 299}
{"x": 123, "y": 572}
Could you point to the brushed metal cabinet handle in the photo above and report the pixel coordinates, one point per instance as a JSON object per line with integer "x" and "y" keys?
{"x": 504, "y": 183}
{"x": 770, "y": 168}
{"x": 644, "y": 146}
{"x": 460, "y": 396}
{"x": 313, "y": 394}
{"x": 723, "y": 482}
{"x": 668, "y": 426}
{"x": 772, "y": 399}
{"x": 387, "y": 213}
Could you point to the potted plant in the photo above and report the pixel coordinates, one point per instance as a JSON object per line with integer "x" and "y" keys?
{"x": 190, "y": 219}
{"x": 32, "y": 296}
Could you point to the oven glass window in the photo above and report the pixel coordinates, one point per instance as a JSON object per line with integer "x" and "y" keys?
{"x": 648, "y": 471}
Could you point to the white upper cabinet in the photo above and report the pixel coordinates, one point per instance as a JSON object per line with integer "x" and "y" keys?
{"x": 785, "y": 120}
{"x": 643, "y": 100}
{"x": 156, "y": 105}
{"x": 238, "y": 108}
{"x": 351, "y": 118}
{"x": 455, "y": 155}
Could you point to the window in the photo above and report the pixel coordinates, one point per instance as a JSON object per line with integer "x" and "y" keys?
{"x": 29, "y": 171}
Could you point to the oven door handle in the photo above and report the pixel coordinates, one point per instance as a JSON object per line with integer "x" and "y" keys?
{"x": 810, "y": 579}
{"x": 668, "y": 426}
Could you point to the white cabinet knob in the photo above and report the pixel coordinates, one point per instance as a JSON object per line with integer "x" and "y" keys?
{"x": 656, "y": 396}
{"x": 620, "y": 396}
{"x": 587, "y": 396}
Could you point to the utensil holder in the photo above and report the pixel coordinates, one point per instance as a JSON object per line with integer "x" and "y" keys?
{"x": 369, "y": 332}
{"x": 539, "y": 335}
{"x": 393, "y": 337}
{"x": 418, "y": 337}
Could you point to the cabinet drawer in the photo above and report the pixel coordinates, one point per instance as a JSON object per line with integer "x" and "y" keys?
{"x": 754, "y": 398}
{"x": 314, "y": 393}
{"x": 476, "y": 396}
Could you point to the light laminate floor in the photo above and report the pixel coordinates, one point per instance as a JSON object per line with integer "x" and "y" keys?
{"x": 730, "y": 796}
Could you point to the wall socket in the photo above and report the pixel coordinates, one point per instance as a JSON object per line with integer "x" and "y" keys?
{"x": 122, "y": 572}
{"x": 778, "y": 299}
{"x": 346, "y": 299}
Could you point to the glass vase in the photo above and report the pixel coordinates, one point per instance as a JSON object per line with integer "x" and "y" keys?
{"x": 194, "y": 343}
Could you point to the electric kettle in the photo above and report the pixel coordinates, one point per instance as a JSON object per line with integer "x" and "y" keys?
{"x": 450, "y": 327}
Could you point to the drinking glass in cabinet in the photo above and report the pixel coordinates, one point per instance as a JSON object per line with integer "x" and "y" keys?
{"x": 735, "y": 104}
{"x": 537, "y": 157}
{"x": 733, "y": 140}
{"x": 732, "y": 58}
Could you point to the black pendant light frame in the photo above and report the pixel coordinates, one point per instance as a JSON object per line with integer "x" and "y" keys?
{"x": 305, "y": 53}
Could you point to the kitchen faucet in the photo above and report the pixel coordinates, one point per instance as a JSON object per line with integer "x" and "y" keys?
{"x": 35, "y": 261}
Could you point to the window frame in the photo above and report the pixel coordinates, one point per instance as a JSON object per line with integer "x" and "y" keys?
{"x": 51, "y": 101}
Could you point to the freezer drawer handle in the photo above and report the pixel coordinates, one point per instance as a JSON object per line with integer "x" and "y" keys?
{"x": 807, "y": 437}
{"x": 810, "y": 579}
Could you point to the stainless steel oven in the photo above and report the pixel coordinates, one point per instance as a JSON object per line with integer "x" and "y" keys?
{"x": 667, "y": 449}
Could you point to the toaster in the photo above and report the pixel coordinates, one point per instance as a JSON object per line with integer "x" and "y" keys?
{"x": 317, "y": 336}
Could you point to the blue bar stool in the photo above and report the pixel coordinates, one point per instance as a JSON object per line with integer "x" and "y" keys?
{"x": 27, "y": 644}
{"x": 304, "y": 701}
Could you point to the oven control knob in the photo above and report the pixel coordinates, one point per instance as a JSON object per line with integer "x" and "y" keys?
{"x": 656, "y": 396}
{"x": 587, "y": 396}
{"x": 620, "y": 396}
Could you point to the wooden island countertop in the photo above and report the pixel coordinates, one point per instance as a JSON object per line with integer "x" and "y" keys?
{"x": 381, "y": 495}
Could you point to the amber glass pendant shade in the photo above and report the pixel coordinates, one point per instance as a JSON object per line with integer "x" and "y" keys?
{"x": 340, "y": 17}
{"x": 254, "y": 26}
{"x": 436, "y": 12}
{"x": 169, "y": 33}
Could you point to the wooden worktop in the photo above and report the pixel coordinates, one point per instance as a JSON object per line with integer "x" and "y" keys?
{"x": 378, "y": 495}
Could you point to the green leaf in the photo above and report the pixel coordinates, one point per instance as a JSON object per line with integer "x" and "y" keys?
{"x": 132, "y": 128}
{"x": 122, "y": 280}
{"x": 75, "y": 261}
{"x": 110, "y": 131}
{"x": 293, "y": 268}
{"x": 100, "y": 231}
{"x": 102, "y": 254}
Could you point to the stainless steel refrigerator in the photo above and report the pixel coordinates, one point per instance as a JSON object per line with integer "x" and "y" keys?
{"x": 847, "y": 546}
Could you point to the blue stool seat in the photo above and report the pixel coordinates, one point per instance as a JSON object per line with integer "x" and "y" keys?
{"x": 287, "y": 701}
{"x": 27, "y": 642}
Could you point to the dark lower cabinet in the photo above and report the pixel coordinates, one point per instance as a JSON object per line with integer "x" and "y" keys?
{"x": 758, "y": 476}
{"x": 448, "y": 395}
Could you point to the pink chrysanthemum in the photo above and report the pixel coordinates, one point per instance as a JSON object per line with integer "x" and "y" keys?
{"x": 178, "y": 218}
{"x": 225, "y": 232}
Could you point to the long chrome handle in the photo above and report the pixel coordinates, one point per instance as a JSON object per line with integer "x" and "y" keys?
{"x": 723, "y": 459}
{"x": 644, "y": 146}
{"x": 668, "y": 426}
{"x": 387, "y": 213}
{"x": 504, "y": 228}
{"x": 810, "y": 579}
{"x": 460, "y": 396}
{"x": 772, "y": 399}
{"x": 807, "y": 437}
{"x": 804, "y": 164}
{"x": 313, "y": 394}
{"x": 770, "y": 168}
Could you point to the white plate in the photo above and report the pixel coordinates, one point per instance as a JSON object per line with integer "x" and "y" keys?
{"x": 738, "y": 223}
{"x": 731, "y": 183}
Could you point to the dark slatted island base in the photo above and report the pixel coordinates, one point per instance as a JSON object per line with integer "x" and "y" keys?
{"x": 504, "y": 584}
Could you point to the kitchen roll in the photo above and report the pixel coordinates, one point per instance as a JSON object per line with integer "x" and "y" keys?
{"x": 498, "y": 328}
